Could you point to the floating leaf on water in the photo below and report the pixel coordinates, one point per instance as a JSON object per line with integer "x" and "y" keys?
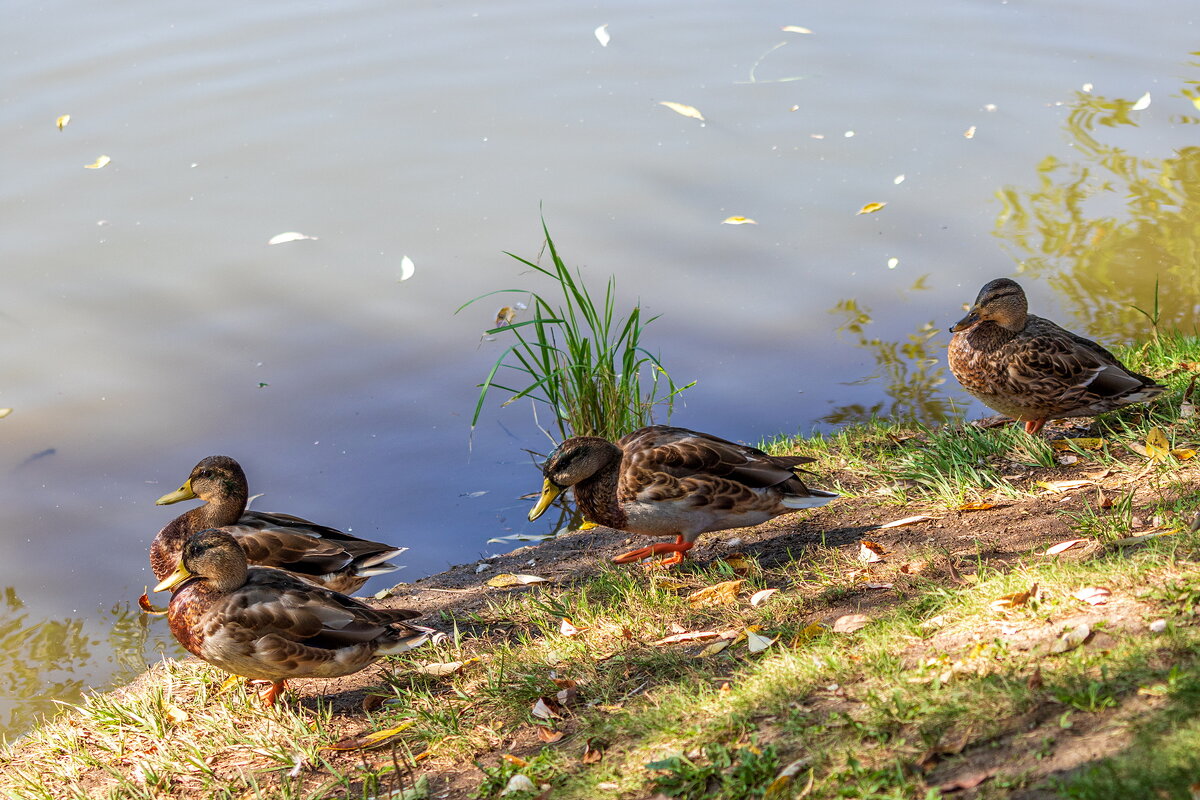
{"x": 899, "y": 179}
{"x": 1095, "y": 595}
{"x": 1087, "y": 88}
{"x": 893, "y": 263}
{"x": 290, "y": 236}
{"x": 759, "y": 597}
{"x": 900, "y": 523}
{"x": 969, "y": 133}
{"x": 870, "y": 552}
{"x": 63, "y": 121}
{"x": 4, "y": 412}
{"x": 685, "y": 110}
{"x": 1143, "y": 102}
{"x": 504, "y": 316}
{"x": 366, "y": 741}
{"x": 738, "y": 221}
{"x": 407, "y": 268}
{"x": 506, "y": 579}
{"x": 724, "y": 593}
{"x": 1062, "y": 546}
{"x": 602, "y": 35}
{"x": 99, "y": 163}
{"x": 757, "y": 642}
{"x": 521, "y": 537}
{"x": 870, "y": 208}
{"x": 849, "y": 623}
{"x": 794, "y": 29}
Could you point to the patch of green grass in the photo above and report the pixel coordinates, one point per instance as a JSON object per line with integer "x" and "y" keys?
{"x": 721, "y": 773}
{"x": 580, "y": 359}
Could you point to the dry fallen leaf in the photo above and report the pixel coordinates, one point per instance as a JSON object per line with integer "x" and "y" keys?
{"x": 760, "y": 596}
{"x": 740, "y": 563}
{"x": 871, "y": 208}
{"x": 175, "y": 714}
{"x": 850, "y": 623}
{"x": 1157, "y": 446}
{"x": 1082, "y": 444}
{"x": 811, "y": 631}
{"x": 62, "y": 121}
{"x": 593, "y": 751}
{"x": 757, "y": 642}
{"x": 1053, "y": 487}
{"x": 548, "y": 735}
{"x": 365, "y": 741}
{"x": 667, "y": 583}
{"x": 686, "y": 636}
{"x": 1071, "y": 638}
{"x": 290, "y": 236}
{"x": 870, "y": 552}
{"x": 1096, "y": 595}
{"x": 602, "y": 35}
{"x": 738, "y": 221}
{"x": 685, "y": 110}
{"x": 1067, "y": 545}
{"x": 99, "y": 163}
{"x": 906, "y": 521}
{"x": 976, "y": 506}
{"x": 505, "y": 580}
{"x": 1015, "y": 599}
{"x": 441, "y": 669}
{"x": 568, "y": 628}
{"x": 546, "y": 708}
{"x": 721, "y": 594}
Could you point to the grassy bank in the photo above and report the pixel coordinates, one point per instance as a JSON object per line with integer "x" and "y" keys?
{"x": 959, "y": 654}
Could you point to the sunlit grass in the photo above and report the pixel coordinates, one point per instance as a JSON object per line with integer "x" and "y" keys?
{"x": 582, "y": 360}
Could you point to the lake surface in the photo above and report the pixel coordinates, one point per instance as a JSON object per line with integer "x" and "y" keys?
{"x": 146, "y": 323}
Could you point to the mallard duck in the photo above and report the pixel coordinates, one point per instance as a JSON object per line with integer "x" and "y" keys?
{"x": 1032, "y": 370}
{"x": 265, "y": 624}
{"x": 665, "y": 481}
{"x": 316, "y": 553}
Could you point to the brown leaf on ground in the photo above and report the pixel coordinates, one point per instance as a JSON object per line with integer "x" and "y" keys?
{"x": 548, "y": 735}
{"x": 870, "y": 552}
{"x": 686, "y": 636}
{"x": 365, "y": 741}
{"x": 547, "y": 708}
{"x": 975, "y": 506}
{"x": 593, "y": 751}
{"x": 721, "y": 594}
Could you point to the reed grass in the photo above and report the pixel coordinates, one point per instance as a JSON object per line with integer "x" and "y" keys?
{"x": 579, "y": 357}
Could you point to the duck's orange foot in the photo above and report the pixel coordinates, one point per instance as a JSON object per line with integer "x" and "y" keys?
{"x": 677, "y": 549}
{"x": 272, "y": 692}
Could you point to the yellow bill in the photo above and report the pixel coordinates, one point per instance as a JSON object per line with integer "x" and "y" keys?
{"x": 549, "y": 492}
{"x": 182, "y": 493}
{"x": 177, "y": 577}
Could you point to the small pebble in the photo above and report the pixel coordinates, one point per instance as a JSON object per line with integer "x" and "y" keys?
{"x": 1158, "y": 626}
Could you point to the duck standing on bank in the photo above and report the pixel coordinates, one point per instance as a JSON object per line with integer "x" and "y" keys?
{"x": 316, "y": 553}
{"x": 665, "y": 481}
{"x": 264, "y": 624}
{"x": 1032, "y": 370}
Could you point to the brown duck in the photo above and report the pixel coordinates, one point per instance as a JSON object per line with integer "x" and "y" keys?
{"x": 316, "y": 553}
{"x": 664, "y": 481}
{"x": 265, "y": 624}
{"x": 1032, "y": 370}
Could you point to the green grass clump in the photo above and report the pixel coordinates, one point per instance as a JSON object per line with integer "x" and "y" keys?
{"x": 580, "y": 358}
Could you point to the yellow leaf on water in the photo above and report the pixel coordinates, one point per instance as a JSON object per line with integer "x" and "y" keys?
{"x": 685, "y": 110}
{"x": 99, "y": 163}
{"x": 63, "y": 121}
{"x": 1082, "y": 444}
{"x": 407, "y": 268}
{"x": 871, "y": 208}
{"x": 738, "y": 221}
{"x": 721, "y": 594}
{"x": 4, "y": 412}
{"x": 1143, "y": 102}
{"x": 794, "y": 29}
{"x": 506, "y": 580}
{"x": 602, "y": 35}
{"x": 1196, "y": 102}
{"x": 969, "y": 133}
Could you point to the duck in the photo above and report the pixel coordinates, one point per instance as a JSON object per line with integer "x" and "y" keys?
{"x": 265, "y": 624}
{"x": 666, "y": 481}
{"x": 1032, "y": 370}
{"x": 315, "y": 553}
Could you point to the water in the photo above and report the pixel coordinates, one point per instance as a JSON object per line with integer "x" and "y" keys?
{"x": 145, "y": 323}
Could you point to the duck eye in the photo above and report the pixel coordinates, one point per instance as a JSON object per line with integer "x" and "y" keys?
{"x": 205, "y": 473}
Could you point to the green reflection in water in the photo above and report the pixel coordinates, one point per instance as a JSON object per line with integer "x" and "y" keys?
{"x": 910, "y": 370}
{"x": 47, "y": 660}
{"x": 1102, "y": 227}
